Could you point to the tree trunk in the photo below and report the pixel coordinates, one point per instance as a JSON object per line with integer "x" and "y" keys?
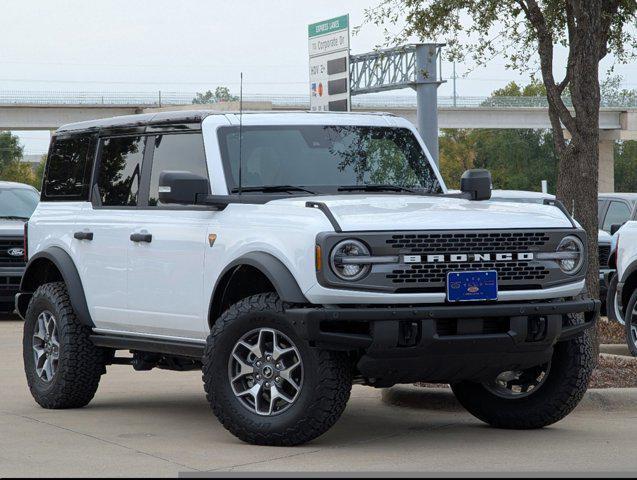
{"x": 577, "y": 189}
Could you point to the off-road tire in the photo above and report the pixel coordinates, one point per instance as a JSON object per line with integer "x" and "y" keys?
{"x": 571, "y": 367}
{"x": 81, "y": 364}
{"x": 326, "y": 386}
{"x": 631, "y": 321}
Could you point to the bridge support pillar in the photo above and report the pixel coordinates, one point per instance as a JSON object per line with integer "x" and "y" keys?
{"x": 606, "y": 181}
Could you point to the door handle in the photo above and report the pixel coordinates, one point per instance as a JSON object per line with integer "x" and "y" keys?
{"x": 141, "y": 237}
{"x": 83, "y": 236}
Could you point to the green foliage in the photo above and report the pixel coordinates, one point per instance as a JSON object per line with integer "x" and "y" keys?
{"x": 12, "y": 169}
{"x": 10, "y": 150}
{"x": 626, "y": 166}
{"x": 518, "y": 159}
{"x": 221, "y": 94}
{"x": 480, "y": 30}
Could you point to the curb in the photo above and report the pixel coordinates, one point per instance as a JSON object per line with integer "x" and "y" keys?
{"x": 615, "y": 349}
{"x": 442, "y": 399}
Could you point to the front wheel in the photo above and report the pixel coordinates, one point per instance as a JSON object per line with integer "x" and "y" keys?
{"x": 264, "y": 383}
{"x": 631, "y": 324}
{"x": 536, "y": 397}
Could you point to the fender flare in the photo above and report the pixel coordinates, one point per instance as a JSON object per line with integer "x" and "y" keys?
{"x": 276, "y": 272}
{"x": 65, "y": 265}
{"x": 630, "y": 269}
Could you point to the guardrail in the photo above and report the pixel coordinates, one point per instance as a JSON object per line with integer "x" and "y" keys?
{"x": 161, "y": 98}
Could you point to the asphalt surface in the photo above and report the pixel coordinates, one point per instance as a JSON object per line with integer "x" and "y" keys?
{"x": 158, "y": 424}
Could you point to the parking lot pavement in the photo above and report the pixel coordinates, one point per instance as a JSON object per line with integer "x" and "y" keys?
{"x": 158, "y": 423}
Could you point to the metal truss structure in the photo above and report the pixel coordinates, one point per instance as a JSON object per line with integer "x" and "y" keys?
{"x": 390, "y": 69}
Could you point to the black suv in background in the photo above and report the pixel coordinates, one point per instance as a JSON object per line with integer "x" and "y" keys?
{"x": 17, "y": 203}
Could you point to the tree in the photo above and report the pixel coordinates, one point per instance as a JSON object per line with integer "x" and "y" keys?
{"x": 11, "y": 167}
{"x": 525, "y": 33}
{"x": 10, "y": 150}
{"x": 222, "y": 94}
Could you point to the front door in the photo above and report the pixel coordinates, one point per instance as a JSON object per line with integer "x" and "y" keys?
{"x": 167, "y": 247}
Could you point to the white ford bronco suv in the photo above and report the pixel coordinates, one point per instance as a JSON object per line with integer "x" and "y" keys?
{"x": 289, "y": 255}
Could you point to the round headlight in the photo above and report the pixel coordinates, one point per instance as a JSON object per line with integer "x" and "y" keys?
{"x": 344, "y": 262}
{"x": 575, "y": 248}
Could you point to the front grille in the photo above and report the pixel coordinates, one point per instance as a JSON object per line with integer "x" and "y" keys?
{"x": 604, "y": 254}
{"x": 9, "y": 284}
{"x": 424, "y": 258}
{"x": 436, "y": 273}
{"x": 6, "y": 244}
{"x": 469, "y": 242}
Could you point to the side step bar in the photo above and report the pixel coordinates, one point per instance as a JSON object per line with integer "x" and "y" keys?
{"x": 168, "y": 347}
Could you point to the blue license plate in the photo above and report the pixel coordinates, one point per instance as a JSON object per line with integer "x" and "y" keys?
{"x": 472, "y": 286}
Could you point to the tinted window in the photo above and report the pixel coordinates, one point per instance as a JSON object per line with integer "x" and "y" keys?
{"x": 68, "y": 169}
{"x": 17, "y": 202}
{"x": 326, "y": 156}
{"x": 183, "y": 153}
{"x": 120, "y": 166}
{"x": 617, "y": 213}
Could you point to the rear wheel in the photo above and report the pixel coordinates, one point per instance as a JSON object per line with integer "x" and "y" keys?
{"x": 267, "y": 385}
{"x": 631, "y": 324}
{"x": 535, "y": 397}
{"x": 62, "y": 366}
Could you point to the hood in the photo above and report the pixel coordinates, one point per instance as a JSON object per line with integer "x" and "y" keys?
{"x": 13, "y": 228}
{"x": 410, "y": 212}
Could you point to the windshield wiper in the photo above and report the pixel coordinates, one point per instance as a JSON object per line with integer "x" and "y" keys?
{"x": 13, "y": 217}
{"x": 274, "y": 188}
{"x": 375, "y": 188}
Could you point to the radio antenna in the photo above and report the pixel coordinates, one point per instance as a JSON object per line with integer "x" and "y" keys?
{"x": 240, "y": 129}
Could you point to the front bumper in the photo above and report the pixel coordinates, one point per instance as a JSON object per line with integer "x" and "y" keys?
{"x": 9, "y": 286}
{"x": 444, "y": 343}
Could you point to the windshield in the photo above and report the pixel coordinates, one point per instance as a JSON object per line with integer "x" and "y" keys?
{"x": 17, "y": 202}
{"x": 323, "y": 158}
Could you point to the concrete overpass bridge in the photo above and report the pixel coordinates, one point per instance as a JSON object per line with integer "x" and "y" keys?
{"x": 46, "y": 111}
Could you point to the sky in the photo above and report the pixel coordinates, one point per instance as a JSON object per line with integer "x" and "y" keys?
{"x": 187, "y": 46}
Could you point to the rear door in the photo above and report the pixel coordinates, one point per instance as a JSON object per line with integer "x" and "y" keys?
{"x": 166, "y": 262}
{"x": 103, "y": 230}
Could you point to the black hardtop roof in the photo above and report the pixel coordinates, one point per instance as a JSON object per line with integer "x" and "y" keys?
{"x": 139, "y": 120}
{"x": 173, "y": 117}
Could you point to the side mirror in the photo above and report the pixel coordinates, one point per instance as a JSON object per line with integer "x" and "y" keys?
{"x": 181, "y": 187}
{"x": 476, "y": 183}
{"x": 615, "y": 227}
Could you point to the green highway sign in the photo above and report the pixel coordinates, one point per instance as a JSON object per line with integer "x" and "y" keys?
{"x": 328, "y": 26}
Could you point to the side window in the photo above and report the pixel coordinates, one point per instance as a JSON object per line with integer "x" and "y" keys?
{"x": 618, "y": 212}
{"x": 68, "y": 169}
{"x": 119, "y": 171}
{"x": 176, "y": 152}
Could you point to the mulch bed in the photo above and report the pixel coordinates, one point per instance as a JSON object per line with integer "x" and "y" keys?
{"x": 610, "y": 332}
{"x": 612, "y": 372}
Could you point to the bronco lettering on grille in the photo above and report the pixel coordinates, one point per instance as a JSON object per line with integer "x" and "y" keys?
{"x": 467, "y": 257}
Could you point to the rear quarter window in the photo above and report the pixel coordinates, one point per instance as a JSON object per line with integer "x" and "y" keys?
{"x": 68, "y": 169}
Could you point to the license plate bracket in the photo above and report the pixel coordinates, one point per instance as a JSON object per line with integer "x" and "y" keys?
{"x": 472, "y": 286}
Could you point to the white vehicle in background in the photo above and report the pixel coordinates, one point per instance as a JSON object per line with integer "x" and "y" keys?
{"x": 624, "y": 286}
{"x": 17, "y": 203}
{"x": 288, "y": 255}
